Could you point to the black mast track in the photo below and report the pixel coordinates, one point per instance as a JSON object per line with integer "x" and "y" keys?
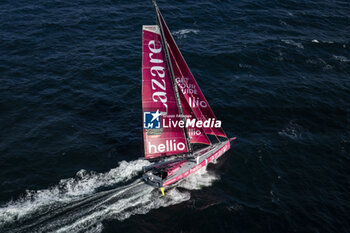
{"x": 177, "y": 96}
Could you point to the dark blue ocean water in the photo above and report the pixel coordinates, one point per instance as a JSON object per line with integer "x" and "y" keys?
{"x": 275, "y": 72}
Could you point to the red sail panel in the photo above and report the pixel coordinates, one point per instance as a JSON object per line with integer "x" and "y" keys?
{"x": 196, "y": 134}
{"x": 158, "y": 100}
{"x": 188, "y": 85}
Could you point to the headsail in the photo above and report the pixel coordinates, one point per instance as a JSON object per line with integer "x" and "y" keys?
{"x": 188, "y": 85}
{"x": 158, "y": 100}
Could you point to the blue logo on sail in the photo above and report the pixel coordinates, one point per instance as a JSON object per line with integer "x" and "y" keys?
{"x": 151, "y": 120}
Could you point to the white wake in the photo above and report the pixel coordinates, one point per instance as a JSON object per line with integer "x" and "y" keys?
{"x": 69, "y": 189}
{"x": 75, "y": 205}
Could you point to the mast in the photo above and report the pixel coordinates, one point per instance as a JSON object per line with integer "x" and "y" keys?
{"x": 177, "y": 96}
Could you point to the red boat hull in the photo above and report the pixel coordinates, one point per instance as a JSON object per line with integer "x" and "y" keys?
{"x": 196, "y": 166}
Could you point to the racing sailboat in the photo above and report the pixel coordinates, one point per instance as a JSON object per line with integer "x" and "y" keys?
{"x": 176, "y": 115}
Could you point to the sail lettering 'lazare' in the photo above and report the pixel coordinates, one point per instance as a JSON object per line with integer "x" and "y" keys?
{"x": 158, "y": 100}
